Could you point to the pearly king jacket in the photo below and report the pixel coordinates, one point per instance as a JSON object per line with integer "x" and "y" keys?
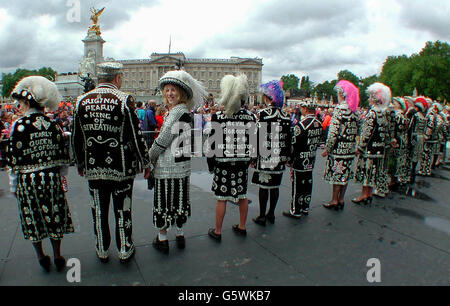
{"x": 107, "y": 141}
{"x": 307, "y": 135}
{"x": 172, "y": 149}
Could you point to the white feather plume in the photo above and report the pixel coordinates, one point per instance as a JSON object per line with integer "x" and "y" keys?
{"x": 43, "y": 91}
{"x": 381, "y": 94}
{"x": 233, "y": 91}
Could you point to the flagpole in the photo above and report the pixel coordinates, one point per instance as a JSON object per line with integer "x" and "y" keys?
{"x": 170, "y": 42}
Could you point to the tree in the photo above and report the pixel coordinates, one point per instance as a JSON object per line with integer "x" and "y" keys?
{"x": 326, "y": 89}
{"x": 349, "y": 76}
{"x": 364, "y": 83}
{"x": 397, "y": 74}
{"x": 11, "y": 79}
{"x": 427, "y": 71}
{"x": 433, "y": 72}
{"x": 290, "y": 82}
{"x": 307, "y": 86}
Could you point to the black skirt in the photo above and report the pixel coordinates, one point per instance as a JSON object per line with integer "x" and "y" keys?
{"x": 43, "y": 209}
{"x": 267, "y": 179}
{"x": 230, "y": 181}
{"x": 338, "y": 171}
{"x": 171, "y": 202}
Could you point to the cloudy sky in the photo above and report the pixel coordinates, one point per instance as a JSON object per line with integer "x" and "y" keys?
{"x": 317, "y": 38}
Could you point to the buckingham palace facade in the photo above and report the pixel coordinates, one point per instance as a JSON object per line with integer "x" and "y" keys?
{"x": 141, "y": 76}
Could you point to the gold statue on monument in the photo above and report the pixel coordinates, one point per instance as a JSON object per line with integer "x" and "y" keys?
{"x": 94, "y": 17}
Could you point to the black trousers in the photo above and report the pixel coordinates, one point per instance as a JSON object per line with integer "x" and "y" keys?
{"x": 302, "y": 184}
{"x": 121, "y": 192}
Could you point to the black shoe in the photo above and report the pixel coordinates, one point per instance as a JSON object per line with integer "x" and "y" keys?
{"x": 181, "y": 242}
{"x": 213, "y": 235}
{"x": 60, "y": 263}
{"x": 289, "y": 215}
{"x": 341, "y": 206}
{"x": 162, "y": 246}
{"x": 260, "y": 220}
{"x": 360, "y": 201}
{"x": 331, "y": 206}
{"x": 45, "y": 263}
{"x": 239, "y": 231}
{"x": 369, "y": 200}
{"x": 270, "y": 218}
{"x": 127, "y": 260}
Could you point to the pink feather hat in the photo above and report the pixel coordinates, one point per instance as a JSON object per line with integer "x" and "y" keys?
{"x": 350, "y": 92}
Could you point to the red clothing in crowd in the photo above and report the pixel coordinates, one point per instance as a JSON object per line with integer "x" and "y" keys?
{"x": 159, "y": 123}
{"x": 326, "y": 122}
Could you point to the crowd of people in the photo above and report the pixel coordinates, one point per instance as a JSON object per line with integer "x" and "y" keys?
{"x": 113, "y": 138}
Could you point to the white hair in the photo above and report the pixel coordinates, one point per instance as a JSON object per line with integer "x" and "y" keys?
{"x": 381, "y": 94}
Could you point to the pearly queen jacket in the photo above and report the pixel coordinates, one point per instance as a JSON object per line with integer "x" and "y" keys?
{"x": 36, "y": 143}
{"x": 106, "y": 138}
{"x": 401, "y": 123}
{"x": 274, "y": 146}
{"x": 172, "y": 149}
{"x": 231, "y": 139}
{"x": 374, "y": 137}
{"x": 341, "y": 140}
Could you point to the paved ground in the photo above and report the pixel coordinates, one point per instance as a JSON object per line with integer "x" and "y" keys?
{"x": 409, "y": 236}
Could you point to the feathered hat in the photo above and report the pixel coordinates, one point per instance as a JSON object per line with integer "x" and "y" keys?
{"x": 403, "y": 104}
{"x": 274, "y": 91}
{"x": 195, "y": 91}
{"x": 350, "y": 93}
{"x": 38, "y": 89}
{"x": 381, "y": 94}
{"x": 233, "y": 90}
{"x": 421, "y": 103}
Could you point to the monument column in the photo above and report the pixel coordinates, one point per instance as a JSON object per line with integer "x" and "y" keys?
{"x": 94, "y": 43}
{"x": 93, "y": 48}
